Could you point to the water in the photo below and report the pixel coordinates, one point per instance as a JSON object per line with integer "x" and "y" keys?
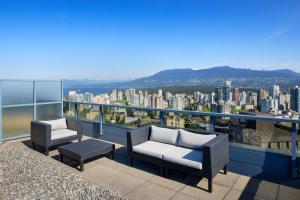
{"x": 93, "y": 90}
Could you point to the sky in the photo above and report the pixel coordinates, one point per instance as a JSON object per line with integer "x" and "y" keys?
{"x": 121, "y": 40}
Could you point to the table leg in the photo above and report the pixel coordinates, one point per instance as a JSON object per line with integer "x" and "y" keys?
{"x": 113, "y": 154}
{"x": 61, "y": 157}
{"x": 81, "y": 166}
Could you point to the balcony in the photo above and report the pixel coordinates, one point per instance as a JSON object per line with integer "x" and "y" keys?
{"x": 265, "y": 172}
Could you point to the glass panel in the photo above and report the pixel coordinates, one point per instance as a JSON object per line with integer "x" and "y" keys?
{"x": 129, "y": 117}
{"x": 16, "y": 121}
{"x": 17, "y": 92}
{"x": 48, "y": 112}
{"x": 69, "y": 110}
{"x": 265, "y": 134}
{"x": 48, "y": 92}
{"x": 88, "y": 112}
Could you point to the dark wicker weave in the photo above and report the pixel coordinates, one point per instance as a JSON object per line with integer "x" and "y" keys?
{"x": 215, "y": 154}
{"x": 87, "y": 149}
{"x": 41, "y": 134}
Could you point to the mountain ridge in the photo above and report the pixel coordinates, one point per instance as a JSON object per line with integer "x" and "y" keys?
{"x": 240, "y": 77}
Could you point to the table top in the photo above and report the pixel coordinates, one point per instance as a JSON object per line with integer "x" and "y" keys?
{"x": 86, "y": 146}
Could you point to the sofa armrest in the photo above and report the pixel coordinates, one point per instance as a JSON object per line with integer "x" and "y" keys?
{"x": 215, "y": 155}
{"x": 40, "y": 133}
{"x": 137, "y": 136}
{"x": 75, "y": 125}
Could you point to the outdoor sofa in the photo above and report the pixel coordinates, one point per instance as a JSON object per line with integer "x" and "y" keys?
{"x": 200, "y": 153}
{"x": 55, "y": 132}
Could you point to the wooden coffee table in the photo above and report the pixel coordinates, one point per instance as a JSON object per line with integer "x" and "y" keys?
{"x": 86, "y": 149}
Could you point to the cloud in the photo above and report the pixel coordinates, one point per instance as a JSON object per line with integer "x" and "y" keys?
{"x": 279, "y": 32}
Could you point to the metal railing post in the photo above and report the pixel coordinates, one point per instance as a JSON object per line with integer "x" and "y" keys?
{"x": 62, "y": 98}
{"x": 212, "y": 121}
{"x": 1, "y": 111}
{"x": 76, "y": 110}
{"x": 101, "y": 120}
{"x": 34, "y": 100}
{"x": 294, "y": 150}
{"x": 162, "y": 118}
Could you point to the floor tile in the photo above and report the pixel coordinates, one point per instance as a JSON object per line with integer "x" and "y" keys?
{"x": 174, "y": 183}
{"x": 227, "y": 180}
{"x": 199, "y": 191}
{"x": 151, "y": 191}
{"x": 98, "y": 173}
{"x": 181, "y": 196}
{"x": 259, "y": 188}
{"x": 122, "y": 182}
{"x": 288, "y": 193}
{"x": 238, "y": 195}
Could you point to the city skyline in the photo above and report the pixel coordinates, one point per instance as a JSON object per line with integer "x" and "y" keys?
{"x": 127, "y": 40}
{"x": 225, "y": 99}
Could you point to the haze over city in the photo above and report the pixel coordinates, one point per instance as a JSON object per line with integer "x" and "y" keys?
{"x": 121, "y": 40}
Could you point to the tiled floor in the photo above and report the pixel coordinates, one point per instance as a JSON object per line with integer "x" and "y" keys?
{"x": 142, "y": 181}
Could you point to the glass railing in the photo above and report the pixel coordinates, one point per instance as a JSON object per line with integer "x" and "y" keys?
{"x": 22, "y": 101}
{"x": 271, "y": 133}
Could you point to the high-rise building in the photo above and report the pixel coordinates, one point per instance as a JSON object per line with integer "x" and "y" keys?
{"x": 146, "y": 99}
{"x": 218, "y": 94}
{"x": 228, "y": 84}
{"x": 284, "y": 101}
{"x": 295, "y": 99}
{"x": 113, "y": 95}
{"x": 120, "y": 95}
{"x": 87, "y": 97}
{"x": 226, "y": 93}
{"x": 160, "y": 92}
{"x": 168, "y": 95}
{"x": 159, "y": 102}
{"x": 274, "y": 91}
{"x": 236, "y": 95}
{"x": 224, "y": 108}
{"x": 243, "y": 98}
{"x": 212, "y": 97}
{"x": 141, "y": 98}
{"x": 252, "y": 99}
{"x": 132, "y": 97}
{"x": 268, "y": 104}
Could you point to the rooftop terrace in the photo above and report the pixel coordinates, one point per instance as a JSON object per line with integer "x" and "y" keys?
{"x": 267, "y": 170}
{"x": 142, "y": 181}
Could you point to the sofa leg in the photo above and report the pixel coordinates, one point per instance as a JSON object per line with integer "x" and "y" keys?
{"x": 225, "y": 169}
{"x": 210, "y": 185}
{"x": 79, "y": 140}
{"x": 47, "y": 151}
{"x": 130, "y": 162}
{"x": 33, "y": 145}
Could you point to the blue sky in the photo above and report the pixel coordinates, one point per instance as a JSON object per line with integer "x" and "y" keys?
{"x": 117, "y": 40}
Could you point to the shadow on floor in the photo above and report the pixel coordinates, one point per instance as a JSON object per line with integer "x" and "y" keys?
{"x": 252, "y": 187}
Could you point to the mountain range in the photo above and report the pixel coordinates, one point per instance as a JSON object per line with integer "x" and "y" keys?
{"x": 214, "y": 76}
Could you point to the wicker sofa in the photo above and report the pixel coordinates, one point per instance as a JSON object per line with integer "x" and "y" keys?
{"x": 55, "y": 132}
{"x": 185, "y": 150}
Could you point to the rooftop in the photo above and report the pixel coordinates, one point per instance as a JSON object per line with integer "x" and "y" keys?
{"x": 263, "y": 152}
{"x": 142, "y": 181}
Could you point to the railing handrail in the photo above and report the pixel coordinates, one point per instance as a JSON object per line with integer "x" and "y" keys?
{"x": 198, "y": 113}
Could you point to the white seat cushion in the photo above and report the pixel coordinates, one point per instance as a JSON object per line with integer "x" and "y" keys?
{"x": 164, "y": 135}
{"x": 62, "y": 133}
{"x": 152, "y": 148}
{"x": 184, "y": 156}
{"x": 57, "y": 124}
{"x": 193, "y": 140}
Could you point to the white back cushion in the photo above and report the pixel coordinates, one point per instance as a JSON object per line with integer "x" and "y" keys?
{"x": 193, "y": 140}
{"x": 164, "y": 135}
{"x": 57, "y": 124}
